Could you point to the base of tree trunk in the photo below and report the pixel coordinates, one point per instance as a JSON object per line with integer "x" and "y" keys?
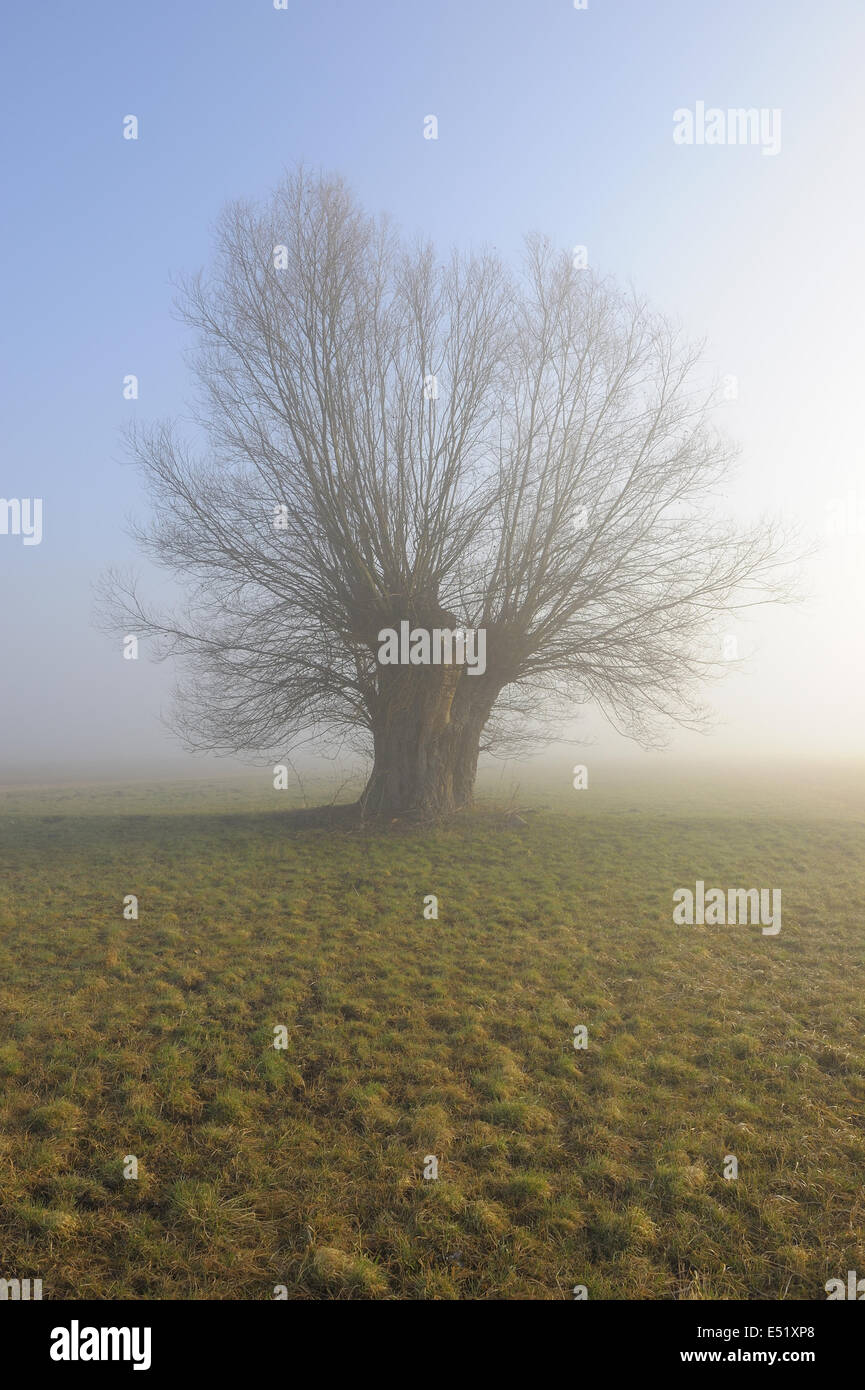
{"x": 426, "y": 787}
{"x": 426, "y": 747}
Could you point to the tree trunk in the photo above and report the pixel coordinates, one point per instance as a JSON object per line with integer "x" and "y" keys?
{"x": 426, "y": 729}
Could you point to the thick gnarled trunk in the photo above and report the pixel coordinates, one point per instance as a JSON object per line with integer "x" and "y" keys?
{"x": 426, "y": 730}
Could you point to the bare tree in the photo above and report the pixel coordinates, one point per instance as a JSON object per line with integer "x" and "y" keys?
{"x": 391, "y": 438}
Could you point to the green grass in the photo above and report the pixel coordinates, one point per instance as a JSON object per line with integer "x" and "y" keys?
{"x": 409, "y": 1037}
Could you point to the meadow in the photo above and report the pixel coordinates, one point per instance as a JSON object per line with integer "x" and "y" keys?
{"x": 408, "y": 1037}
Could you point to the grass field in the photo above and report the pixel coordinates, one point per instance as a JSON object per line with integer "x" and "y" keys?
{"x": 408, "y": 1037}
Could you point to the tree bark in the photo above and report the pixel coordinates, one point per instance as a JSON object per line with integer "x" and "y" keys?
{"x": 426, "y": 732}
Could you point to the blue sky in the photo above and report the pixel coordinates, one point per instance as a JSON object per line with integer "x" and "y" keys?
{"x": 550, "y": 118}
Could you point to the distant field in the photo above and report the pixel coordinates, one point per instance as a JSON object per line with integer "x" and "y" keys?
{"x": 408, "y": 1037}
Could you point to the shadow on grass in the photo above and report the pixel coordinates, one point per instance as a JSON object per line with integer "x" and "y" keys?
{"x": 46, "y": 832}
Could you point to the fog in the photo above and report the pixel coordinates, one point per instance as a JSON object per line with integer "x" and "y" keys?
{"x": 755, "y": 250}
